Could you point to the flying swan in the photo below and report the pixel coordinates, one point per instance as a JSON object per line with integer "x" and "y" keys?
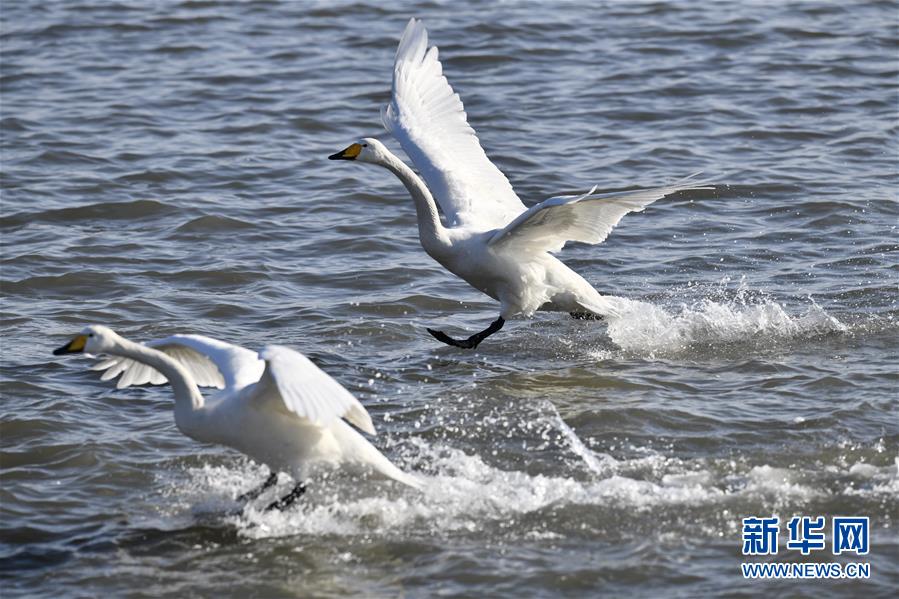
{"x": 490, "y": 240}
{"x": 275, "y": 406}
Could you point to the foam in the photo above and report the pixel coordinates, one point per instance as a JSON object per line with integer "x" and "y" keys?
{"x": 746, "y": 318}
{"x": 874, "y": 482}
{"x": 465, "y": 493}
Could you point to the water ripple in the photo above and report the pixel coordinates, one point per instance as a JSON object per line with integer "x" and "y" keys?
{"x": 165, "y": 171}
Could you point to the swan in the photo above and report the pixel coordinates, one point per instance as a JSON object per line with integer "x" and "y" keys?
{"x": 490, "y": 240}
{"x": 275, "y": 406}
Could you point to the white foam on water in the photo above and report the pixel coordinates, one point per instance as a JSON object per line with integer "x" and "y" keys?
{"x": 874, "y": 481}
{"x": 779, "y": 482}
{"x": 465, "y": 493}
{"x": 646, "y": 328}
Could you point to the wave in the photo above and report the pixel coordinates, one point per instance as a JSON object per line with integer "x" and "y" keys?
{"x": 465, "y": 493}
{"x": 130, "y": 210}
{"x": 211, "y": 223}
{"x": 746, "y": 319}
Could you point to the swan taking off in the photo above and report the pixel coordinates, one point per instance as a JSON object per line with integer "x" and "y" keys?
{"x": 490, "y": 239}
{"x": 275, "y": 406}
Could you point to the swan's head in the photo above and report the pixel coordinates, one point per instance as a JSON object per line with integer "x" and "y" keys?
{"x": 367, "y": 149}
{"x": 95, "y": 339}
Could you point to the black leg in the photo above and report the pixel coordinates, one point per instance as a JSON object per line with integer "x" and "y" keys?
{"x": 473, "y": 341}
{"x": 254, "y": 493}
{"x": 288, "y": 499}
{"x": 585, "y": 316}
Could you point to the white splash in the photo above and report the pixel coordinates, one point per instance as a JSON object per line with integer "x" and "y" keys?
{"x": 646, "y": 328}
{"x": 599, "y": 464}
{"x": 467, "y": 493}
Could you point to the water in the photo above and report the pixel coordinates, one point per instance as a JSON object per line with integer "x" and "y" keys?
{"x": 164, "y": 171}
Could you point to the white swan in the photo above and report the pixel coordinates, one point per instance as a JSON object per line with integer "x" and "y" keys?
{"x": 276, "y": 406}
{"x": 490, "y": 240}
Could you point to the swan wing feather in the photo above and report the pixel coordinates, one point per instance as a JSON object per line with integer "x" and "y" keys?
{"x": 587, "y": 218}
{"x": 301, "y": 388}
{"x": 211, "y": 363}
{"x": 428, "y": 119}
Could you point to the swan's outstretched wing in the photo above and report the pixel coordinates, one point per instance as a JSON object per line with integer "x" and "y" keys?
{"x": 586, "y": 218}
{"x": 427, "y": 117}
{"x": 293, "y": 383}
{"x": 211, "y": 363}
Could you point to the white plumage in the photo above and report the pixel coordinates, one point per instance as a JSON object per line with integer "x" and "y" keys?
{"x": 587, "y": 218}
{"x": 275, "y": 406}
{"x": 427, "y": 117}
{"x": 489, "y": 238}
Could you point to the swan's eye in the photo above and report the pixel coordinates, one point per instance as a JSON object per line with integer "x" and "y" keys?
{"x": 90, "y": 335}
{"x": 364, "y": 145}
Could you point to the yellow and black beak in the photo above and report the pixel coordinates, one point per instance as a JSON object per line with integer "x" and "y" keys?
{"x": 75, "y": 346}
{"x": 348, "y": 154}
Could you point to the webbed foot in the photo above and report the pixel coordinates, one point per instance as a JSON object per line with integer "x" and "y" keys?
{"x": 473, "y": 341}
{"x": 288, "y": 499}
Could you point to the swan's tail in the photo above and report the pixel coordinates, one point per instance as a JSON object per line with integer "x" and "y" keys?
{"x": 386, "y": 467}
{"x": 358, "y": 449}
{"x": 403, "y": 477}
{"x": 607, "y": 306}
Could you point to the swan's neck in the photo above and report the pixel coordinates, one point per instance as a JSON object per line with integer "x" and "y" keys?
{"x": 188, "y": 399}
{"x": 431, "y": 231}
